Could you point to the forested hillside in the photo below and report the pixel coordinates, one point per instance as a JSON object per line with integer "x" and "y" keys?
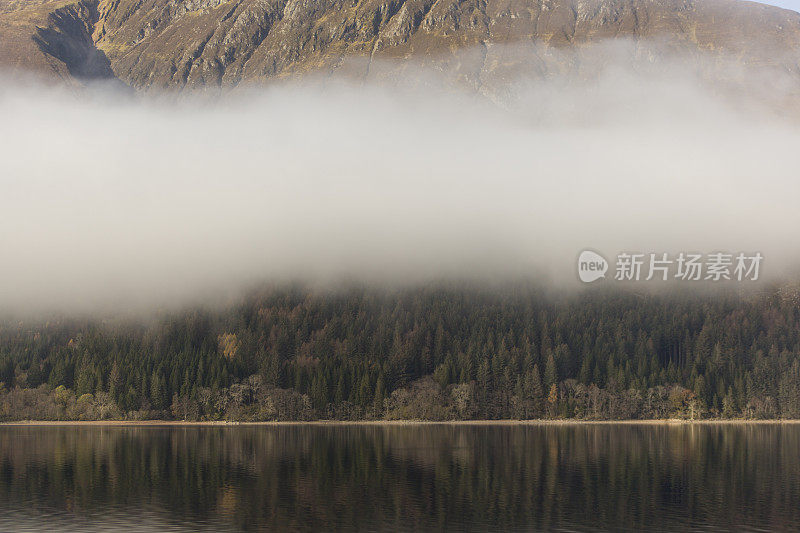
{"x": 436, "y": 352}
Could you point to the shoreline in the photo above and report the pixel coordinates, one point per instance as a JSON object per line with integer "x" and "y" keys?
{"x": 541, "y": 422}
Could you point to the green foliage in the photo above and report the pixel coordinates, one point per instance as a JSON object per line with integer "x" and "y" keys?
{"x": 436, "y": 352}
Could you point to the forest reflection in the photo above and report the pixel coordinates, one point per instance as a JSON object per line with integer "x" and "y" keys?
{"x": 381, "y": 477}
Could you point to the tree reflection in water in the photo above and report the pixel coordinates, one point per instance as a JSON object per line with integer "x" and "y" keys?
{"x": 460, "y": 477}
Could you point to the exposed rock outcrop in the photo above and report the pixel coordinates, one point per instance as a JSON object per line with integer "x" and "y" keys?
{"x": 191, "y": 43}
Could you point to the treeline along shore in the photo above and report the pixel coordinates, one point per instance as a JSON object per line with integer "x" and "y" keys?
{"x": 434, "y": 352}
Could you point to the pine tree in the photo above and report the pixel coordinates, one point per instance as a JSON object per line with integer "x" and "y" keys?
{"x": 550, "y": 371}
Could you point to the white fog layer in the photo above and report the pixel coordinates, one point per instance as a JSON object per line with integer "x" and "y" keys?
{"x": 131, "y": 202}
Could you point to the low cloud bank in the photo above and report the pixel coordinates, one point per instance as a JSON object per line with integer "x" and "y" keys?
{"x": 134, "y": 203}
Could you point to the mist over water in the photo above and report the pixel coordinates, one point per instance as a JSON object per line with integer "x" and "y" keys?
{"x": 112, "y": 201}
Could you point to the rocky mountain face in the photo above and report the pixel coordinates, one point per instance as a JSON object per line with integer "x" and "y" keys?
{"x": 221, "y": 43}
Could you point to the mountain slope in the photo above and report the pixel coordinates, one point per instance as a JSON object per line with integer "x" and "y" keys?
{"x": 190, "y": 43}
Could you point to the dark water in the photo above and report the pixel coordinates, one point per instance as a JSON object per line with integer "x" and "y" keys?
{"x": 441, "y": 477}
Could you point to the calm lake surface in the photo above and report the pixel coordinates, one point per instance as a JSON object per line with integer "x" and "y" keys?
{"x": 377, "y": 478}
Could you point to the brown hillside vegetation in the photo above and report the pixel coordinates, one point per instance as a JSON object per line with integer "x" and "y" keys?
{"x": 190, "y": 43}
